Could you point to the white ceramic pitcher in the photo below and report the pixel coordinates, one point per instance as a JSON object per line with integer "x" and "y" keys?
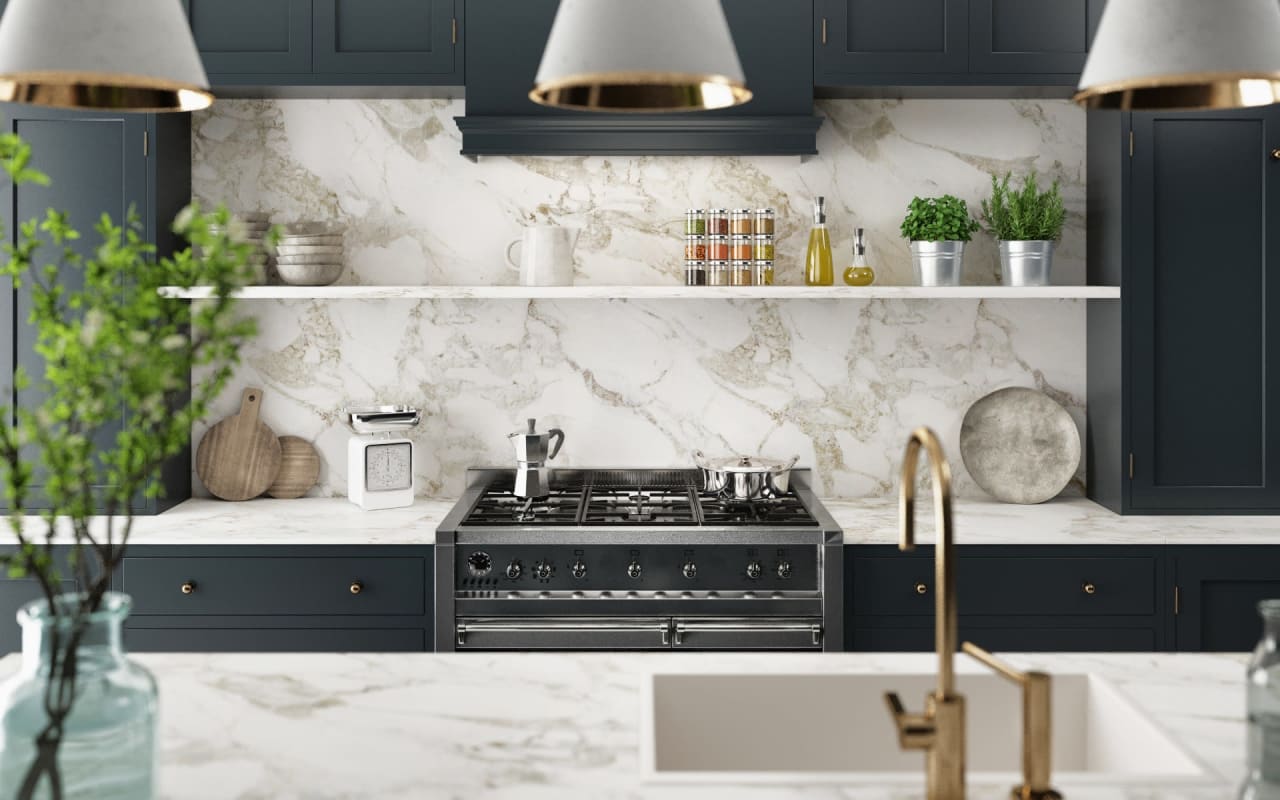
{"x": 546, "y": 256}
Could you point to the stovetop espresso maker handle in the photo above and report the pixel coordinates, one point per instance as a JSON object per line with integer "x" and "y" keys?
{"x": 558, "y": 435}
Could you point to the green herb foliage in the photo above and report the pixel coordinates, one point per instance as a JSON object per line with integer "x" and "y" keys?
{"x": 1027, "y": 214}
{"x": 938, "y": 219}
{"x": 110, "y": 344}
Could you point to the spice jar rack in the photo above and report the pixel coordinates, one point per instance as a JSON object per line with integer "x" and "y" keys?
{"x": 729, "y": 248}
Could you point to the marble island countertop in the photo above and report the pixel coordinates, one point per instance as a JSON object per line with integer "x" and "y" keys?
{"x": 534, "y": 726}
{"x": 335, "y": 521}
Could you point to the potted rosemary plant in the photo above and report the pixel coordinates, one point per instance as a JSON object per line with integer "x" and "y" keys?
{"x": 1027, "y": 223}
{"x": 79, "y": 717}
{"x": 938, "y": 228}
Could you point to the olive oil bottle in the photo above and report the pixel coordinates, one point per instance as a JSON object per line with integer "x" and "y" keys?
{"x": 818, "y": 270}
{"x": 860, "y": 272}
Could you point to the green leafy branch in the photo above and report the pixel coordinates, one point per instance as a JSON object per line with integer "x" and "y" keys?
{"x": 1027, "y": 214}
{"x": 938, "y": 219}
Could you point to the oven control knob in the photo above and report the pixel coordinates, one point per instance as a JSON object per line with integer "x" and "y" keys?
{"x": 784, "y": 569}
{"x": 633, "y": 569}
{"x": 579, "y": 569}
{"x": 543, "y": 570}
{"x": 754, "y": 570}
{"x": 689, "y": 570}
{"x": 514, "y": 570}
{"x": 479, "y": 564}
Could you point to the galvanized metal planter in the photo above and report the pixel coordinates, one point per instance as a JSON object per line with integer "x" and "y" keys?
{"x": 938, "y": 263}
{"x": 1026, "y": 263}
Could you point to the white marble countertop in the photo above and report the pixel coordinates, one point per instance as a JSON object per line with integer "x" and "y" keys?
{"x": 335, "y": 521}
{"x": 534, "y": 726}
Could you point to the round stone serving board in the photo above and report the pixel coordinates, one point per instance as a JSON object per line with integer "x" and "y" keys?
{"x": 1019, "y": 445}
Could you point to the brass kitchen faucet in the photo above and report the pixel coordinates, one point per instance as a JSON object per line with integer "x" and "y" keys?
{"x": 940, "y": 730}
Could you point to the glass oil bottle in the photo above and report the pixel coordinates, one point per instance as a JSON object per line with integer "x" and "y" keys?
{"x": 818, "y": 270}
{"x": 860, "y": 272}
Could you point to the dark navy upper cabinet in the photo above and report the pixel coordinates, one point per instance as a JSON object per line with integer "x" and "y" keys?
{"x": 97, "y": 163}
{"x": 867, "y": 37}
{"x": 1031, "y": 36}
{"x": 385, "y": 37}
{"x": 252, "y": 36}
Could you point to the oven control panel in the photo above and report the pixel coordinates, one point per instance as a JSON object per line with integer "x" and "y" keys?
{"x": 637, "y": 567}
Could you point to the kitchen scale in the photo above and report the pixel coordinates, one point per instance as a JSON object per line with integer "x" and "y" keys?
{"x": 380, "y": 456}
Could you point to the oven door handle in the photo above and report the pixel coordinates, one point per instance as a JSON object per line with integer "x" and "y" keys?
{"x": 683, "y": 627}
{"x": 663, "y": 626}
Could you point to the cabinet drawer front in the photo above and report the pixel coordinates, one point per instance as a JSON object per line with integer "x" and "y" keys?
{"x": 871, "y": 638}
{"x": 274, "y": 640}
{"x": 1009, "y": 586}
{"x": 285, "y": 586}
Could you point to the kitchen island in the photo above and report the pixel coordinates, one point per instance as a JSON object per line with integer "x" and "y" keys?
{"x": 565, "y": 725}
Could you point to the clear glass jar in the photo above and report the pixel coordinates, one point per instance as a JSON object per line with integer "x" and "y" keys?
{"x": 1263, "y": 706}
{"x": 109, "y": 737}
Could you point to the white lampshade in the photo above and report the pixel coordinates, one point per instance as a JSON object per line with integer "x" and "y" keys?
{"x": 129, "y": 55}
{"x": 1184, "y": 54}
{"x": 640, "y": 55}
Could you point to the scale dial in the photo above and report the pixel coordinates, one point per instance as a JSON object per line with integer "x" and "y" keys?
{"x": 388, "y": 467}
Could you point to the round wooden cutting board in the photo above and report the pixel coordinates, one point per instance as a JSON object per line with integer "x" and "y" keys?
{"x": 240, "y": 456}
{"x": 299, "y": 469}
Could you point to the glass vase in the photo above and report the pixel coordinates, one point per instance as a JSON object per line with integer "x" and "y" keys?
{"x": 108, "y": 742}
{"x": 1263, "y": 699}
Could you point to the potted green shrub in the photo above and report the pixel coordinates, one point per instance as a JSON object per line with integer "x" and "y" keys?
{"x": 938, "y": 228}
{"x": 1027, "y": 223}
{"x": 78, "y": 719}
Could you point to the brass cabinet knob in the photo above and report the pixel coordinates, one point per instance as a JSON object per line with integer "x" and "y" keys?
{"x": 922, "y": 588}
{"x": 188, "y": 587}
{"x": 357, "y": 587}
{"x": 1275, "y": 154}
{"x": 1089, "y": 588}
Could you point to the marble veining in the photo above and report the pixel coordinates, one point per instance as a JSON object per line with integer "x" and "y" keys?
{"x": 521, "y": 725}
{"x": 641, "y": 382}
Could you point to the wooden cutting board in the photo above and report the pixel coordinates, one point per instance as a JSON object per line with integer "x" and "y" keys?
{"x": 240, "y": 456}
{"x": 299, "y": 469}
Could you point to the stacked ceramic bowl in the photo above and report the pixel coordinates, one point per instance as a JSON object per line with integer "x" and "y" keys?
{"x": 309, "y": 255}
{"x": 254, "y": 227}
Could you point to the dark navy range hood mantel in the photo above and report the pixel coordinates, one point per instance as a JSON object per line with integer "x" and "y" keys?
{"x": 505, "y": 40}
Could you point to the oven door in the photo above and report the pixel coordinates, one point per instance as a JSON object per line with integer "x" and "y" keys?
{"x": 747, "y": 633}
{"x": 562, "y": 633}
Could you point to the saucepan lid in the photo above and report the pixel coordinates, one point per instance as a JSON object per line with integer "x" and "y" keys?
{"x": 742, "y": 463}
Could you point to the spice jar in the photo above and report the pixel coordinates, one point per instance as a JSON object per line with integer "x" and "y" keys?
{"x": 762, "y": 273}
{"x": 740, "y": 273}
{"x": 695, "y": 222}
{"x": 718, "y": 222}
{"x": 762, "y": 250}
{"x": 695, "y": 248}
{"x": 741, "y": 222}
{"x": 741, "y": 248}
{"x": 717, "y": 273}
{"x": 764, "y": 221}
{"x": 695, "y": 273}
{"x": 718, "y": 248}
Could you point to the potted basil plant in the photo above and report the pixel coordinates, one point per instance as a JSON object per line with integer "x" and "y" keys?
{"x": 938, "y": 228}
{"x": 78, "y": 719}
{"x": 1027, "y": 223}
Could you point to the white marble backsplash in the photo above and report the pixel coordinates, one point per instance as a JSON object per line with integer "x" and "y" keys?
{"x": 640, "y": 382}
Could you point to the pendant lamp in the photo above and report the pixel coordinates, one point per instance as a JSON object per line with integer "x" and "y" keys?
{"x": 126, "y": 55}
{"x": 641, "y": 56}
{"x": 1184, "y": 54}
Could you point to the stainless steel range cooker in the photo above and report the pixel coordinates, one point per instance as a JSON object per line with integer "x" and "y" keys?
{"x": 636, "y": 559}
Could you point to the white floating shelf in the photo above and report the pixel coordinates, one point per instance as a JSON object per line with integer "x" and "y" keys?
{"x": 662, "y": 292}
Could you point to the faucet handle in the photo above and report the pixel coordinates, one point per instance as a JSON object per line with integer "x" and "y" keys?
{"x": 915, "y": 731}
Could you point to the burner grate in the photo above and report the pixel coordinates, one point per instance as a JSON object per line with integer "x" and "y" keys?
{"x": 639, "y": 506}
{"x": 784, "y": 510}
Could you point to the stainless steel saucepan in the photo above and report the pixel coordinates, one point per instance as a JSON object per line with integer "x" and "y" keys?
{"x": 744, "y": 477}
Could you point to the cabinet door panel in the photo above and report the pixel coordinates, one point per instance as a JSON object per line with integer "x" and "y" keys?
{"x": 252, "y": 36}
{"x": 1031, "y": 36}
{"x": 1205, "y": 362}
{"x": 384, "y": 36}
{"x": 905, "y": 36}
{"x": 1219, "y": 589}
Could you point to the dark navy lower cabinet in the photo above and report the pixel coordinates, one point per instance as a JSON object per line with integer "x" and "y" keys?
{"x": 1066, "y": 598}
{"x": 1217, "y": 593}
{"x": 278, "y": 598}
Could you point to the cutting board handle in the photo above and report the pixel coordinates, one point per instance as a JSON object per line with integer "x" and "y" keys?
{"x": 250, "y": 402}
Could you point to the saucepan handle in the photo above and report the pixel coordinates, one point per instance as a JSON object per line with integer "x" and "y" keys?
{"x": 558, "y": 435}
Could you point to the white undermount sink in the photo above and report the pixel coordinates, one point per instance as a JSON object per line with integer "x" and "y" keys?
{"x": 824, "y": 728}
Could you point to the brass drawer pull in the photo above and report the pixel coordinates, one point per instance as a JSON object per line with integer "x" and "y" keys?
{"x": 357, "y": 587}
{"x": 922, "y": 588}
{"x": 188, "y": 587}
{"x": 1089, "y": 588}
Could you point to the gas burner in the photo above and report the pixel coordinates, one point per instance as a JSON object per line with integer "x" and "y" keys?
{"x": 784, "y": 510}
{"x": 639, "y": 507}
